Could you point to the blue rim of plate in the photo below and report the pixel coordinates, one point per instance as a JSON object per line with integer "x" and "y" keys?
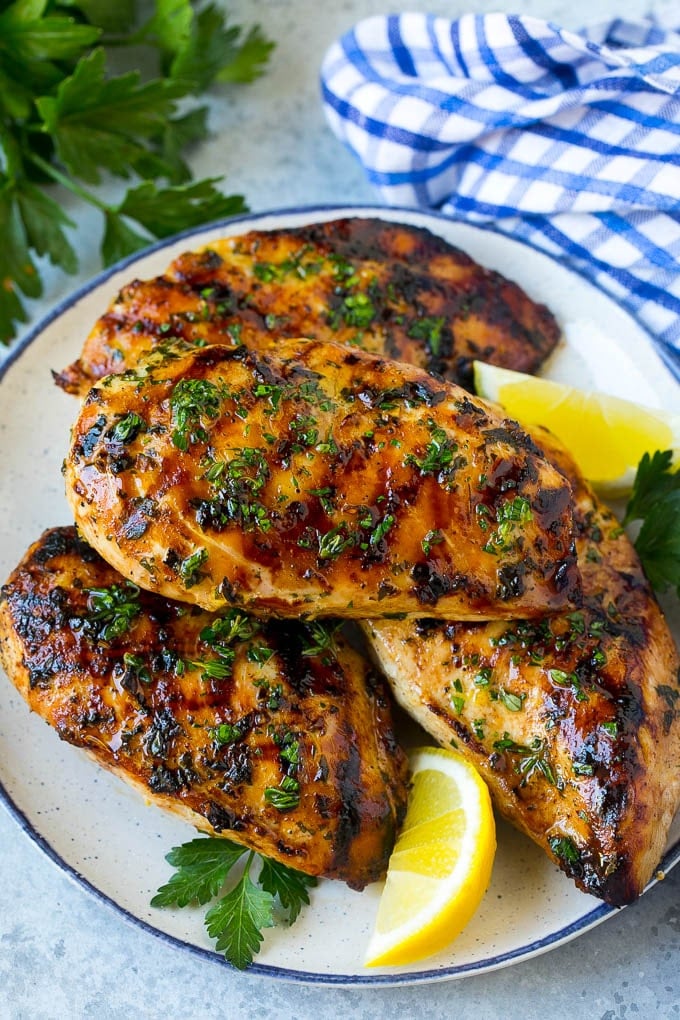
{"x": 524, "y": 952}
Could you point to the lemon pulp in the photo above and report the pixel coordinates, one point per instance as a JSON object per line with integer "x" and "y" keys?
{"x": 441, "y": 863}
{"x": 606, "y": 435}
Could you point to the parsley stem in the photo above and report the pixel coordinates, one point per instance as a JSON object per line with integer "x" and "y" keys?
{"x": 68, "y": 182}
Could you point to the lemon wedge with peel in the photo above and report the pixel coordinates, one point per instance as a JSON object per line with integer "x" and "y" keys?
{"x": 441, "y": 863}
{"x": 606, "y": 435}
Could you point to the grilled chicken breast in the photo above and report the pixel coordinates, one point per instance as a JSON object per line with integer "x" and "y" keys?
{"x": 573, "y": 720}
{"x": 318, "y": 481}
{"x": 392, "y": 289}
{"x": 277, "y": 735}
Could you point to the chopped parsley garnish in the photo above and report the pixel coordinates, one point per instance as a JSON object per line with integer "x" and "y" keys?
{"x": 227, "y": 733}
{"x": 215, "y": 669}
{"x": 127, "y": 428}
{"x": 517, "y": 509}
{"x": 193, "y": 401}
{"x": 312, "y": 392}
{"x": 576, "y": 623}
{"x": 266, "y": 271}
{"x": 564, "y": 847}
{"x": 219, "y": 636}
{"x": 509, "y": 514}
{"x": 272, "y": 393}
{"x": 531, "y": 758}
{"x": 136, "y": 666}
{"x": 483, "y": 677}
{"x": 429, "y": 329}
{"x": 290, "y": 753}
{"x": 434, "y": 537}
{"x": 285, "y": 796}
{"x": 189, "y": 568}
{"x": 236, "y": 920}
{"x": 321, "y": 636}
{"x": 381, "y": 529}
{"x": 111, "y": 610}
{"x": 303, "y": 427}
{"x": 333, "y": 542}
{"x": 572, "y": 680}
{"x": 325, "y": 497}
{"x": 513, "y": 702}
{"x": 342, "y": 269}
{"x": 358, "y": 310}
{"x": 233, "y": 626}
{"x": 237, "y": 484}
{"x": 328, "y": 445}
{"x": 483, "y": 513}
{"x": 439, "y": 453}
{"x": 259, "y": 654}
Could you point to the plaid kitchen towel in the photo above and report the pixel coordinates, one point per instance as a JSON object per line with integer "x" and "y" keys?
{"x": 568, "y": 140}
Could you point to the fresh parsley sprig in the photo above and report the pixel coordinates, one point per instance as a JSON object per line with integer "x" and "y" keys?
{"x": 65, "y": 119}
{"x": 239, "y": 915}
{"x": 655, "y": 501}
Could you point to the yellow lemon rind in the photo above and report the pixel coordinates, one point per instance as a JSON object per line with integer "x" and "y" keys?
{"x": 454, "y": 899}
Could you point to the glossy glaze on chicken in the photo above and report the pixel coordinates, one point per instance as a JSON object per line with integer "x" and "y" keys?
{"x": 318, "y": 481}
{"x": 276, "y": 734}
{"x": 573, "y": 720}
{"x": 387, "y": 287}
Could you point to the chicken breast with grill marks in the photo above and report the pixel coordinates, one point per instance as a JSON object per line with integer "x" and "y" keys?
{"x": 392, "y": 289}
{"x": 318, "y": 481}
{"x": 277, "y": 735}
{"x": 573, "y": 720}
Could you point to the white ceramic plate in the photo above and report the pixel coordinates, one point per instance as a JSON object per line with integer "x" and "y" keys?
{"x": 102, "y": 833}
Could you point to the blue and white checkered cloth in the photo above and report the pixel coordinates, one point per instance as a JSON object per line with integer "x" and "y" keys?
{"x": 568, "y": 140}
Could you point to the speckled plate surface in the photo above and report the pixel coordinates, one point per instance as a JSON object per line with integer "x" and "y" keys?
{"x": 103, "y": 834}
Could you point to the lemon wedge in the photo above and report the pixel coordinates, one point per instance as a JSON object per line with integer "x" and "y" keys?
{"x": 441, "y": 863}
{"x": 607, "y": 436}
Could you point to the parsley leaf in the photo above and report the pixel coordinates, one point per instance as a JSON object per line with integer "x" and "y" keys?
{"x": 237, "y": 918}
{"x": 201, "y": 48}
{"x": 654, "y": 479}
{"x": 658, "y": 543}
{"x": 248, "y": 60}
{"x": 65, "y": 119}
{"x": 98, "y": 122}
{"x": 44, "y": 222}
{"x": 202, "y": 868}
{"x": 655, "y": 501}
{"x": 17, "y": 269}
{"x": 165, "y": 211}
{"x": 169, "y": 28}
{"x": 28, "y": 35}
{"x": 290, "y": 886}
{"x": 112, "y": 17}
{"x": 178, "y": 134}
{"x": 119, "y": 240}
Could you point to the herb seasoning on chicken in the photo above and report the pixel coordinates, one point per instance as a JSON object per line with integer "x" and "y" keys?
{"x": 573, "y": 720}
{"x": 387, "y": 287}
{"x": 318, "y": 481}
{"x": 275, "y": 734}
